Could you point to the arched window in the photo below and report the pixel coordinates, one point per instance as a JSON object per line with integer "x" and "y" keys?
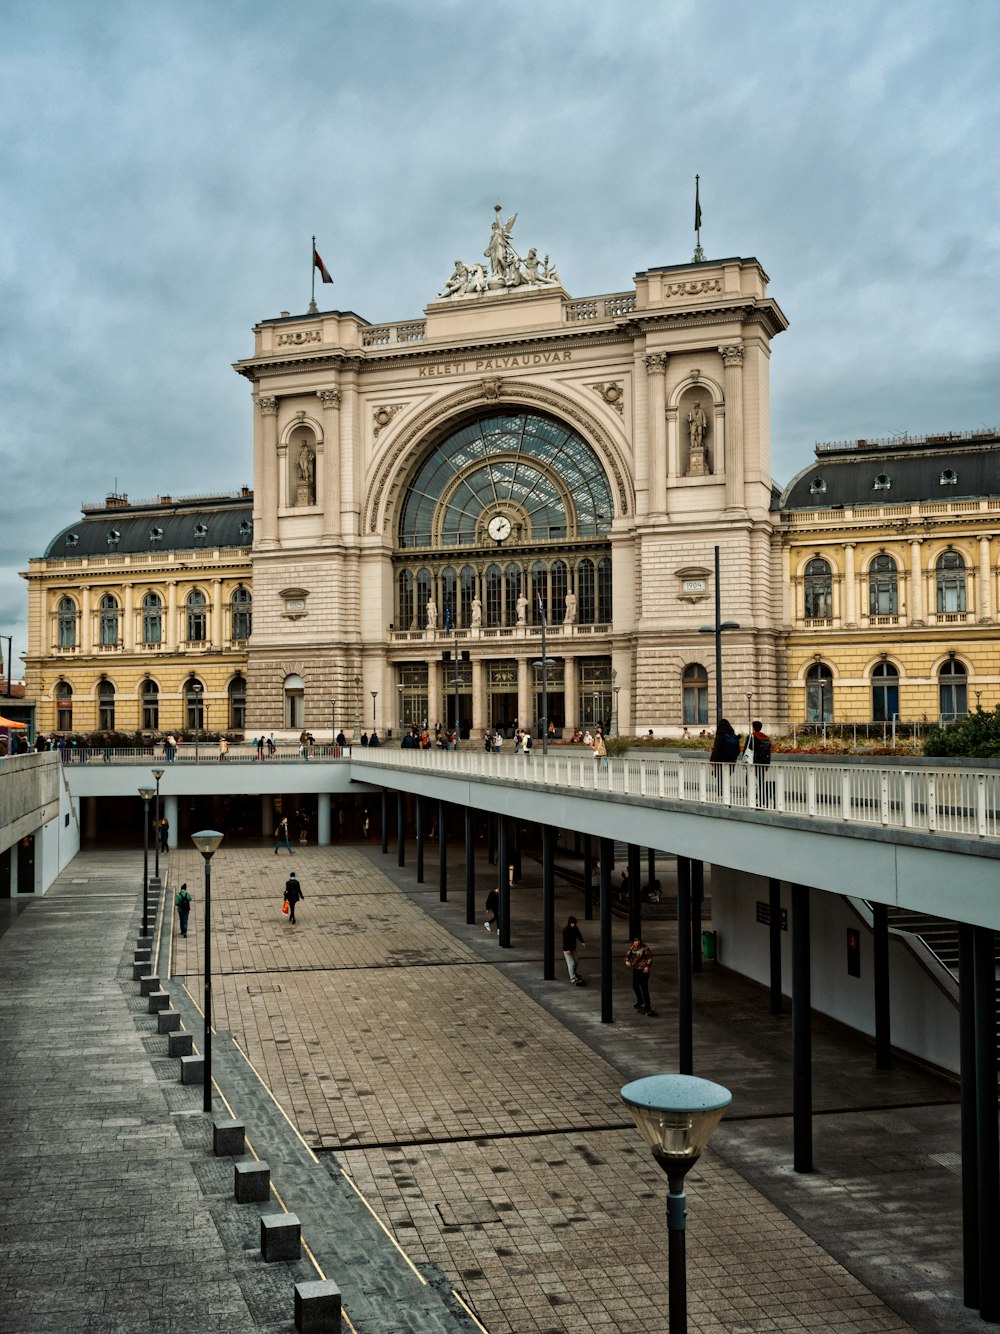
{"x": 885, "y": 693}
{"x": 404, "y": 600}
{"x": 950, "y": 583}
{"x": 494, "y": 595}
{"x": 242, "y": 607}
{"x": 150, "y": 706}
{"x": 66, "y": 623}
{"x": 295, "y": 701}
{"x": 604, "y": 611}
{"x": 819, "y": 694}
{"x": 467, "y": 585}
{"x": 448, "y": 583}
{"x": 194, "y": 704}
{"x": 106, "y": 706}
{"x": 425, "y": 591}
{"x": 197, "y": 619}
{"x": 539, "y": 593}
{"x": 694, "y": 683}
{"x": 152, "y": 619}
{"x": 237, "y": 703}
{"x": 558, "y": 588}
{"x": 108, "y": 620}
{"x": 64, "y": 707}
{"x": 953, "y": 691}
{"x": 512, "y": 580}
{"x": 818, "y": 584}
{"x": 883, "y": 587}
{"x": 585, "y": 603}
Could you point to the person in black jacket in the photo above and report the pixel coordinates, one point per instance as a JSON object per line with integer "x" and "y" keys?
{"x": 571, "y": 937}
{"x": 293, "y": 892}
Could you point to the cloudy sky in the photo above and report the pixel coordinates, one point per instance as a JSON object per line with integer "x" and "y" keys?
{"x": 163, "y": 165}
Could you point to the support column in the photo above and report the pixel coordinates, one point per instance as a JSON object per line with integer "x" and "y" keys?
{"x": 987, "y": 1124}
{"x": 503, "y": 880}
{"x": 478, "y": 699}
{"x": 801, "y": 1031}
{"x": 880, "y": 946}
{"x": 524, "y": 694}
{"x": 985, "y": 587}
{"x": 685, "y": 1025}
{"x": 419, "y": 821}
{"x": 548, "y": 903}
{"x": 850, "y": 586}
{"x": 170, "y": 811}
{"x": 90, "y": 823}
{"x": 330, "y": 398}
{"x": 266, "y": 816}
{"x": 571, "y": 692}
{"x": 656, "y": 373}
{"x": 774, "y": 942}
{"x": 128, "y": 625}
{"x": 268, "y": 407}
{"x": 86, "y": 623}
{"x": 350, "y": 503}
{"x": 640, "y": 435}
{"x": 442, "y": 851}
{"x": 470, "y": 868}
{"x": 673, "y": 450}
{"x": 634, "y": 892}
{"x": 171, "y": 629}
{"x": 607, "y": 857}
{"x": 215, "y": 634}
{"x": 434, "y": 715}
{"x": 323, "y": 819}
{"x": 915, "y": 611}
{"x": 400, "y": 830}
{"x": 588, "y": 879}
{"x": 732, "y": 359}
{"x": 970, "y": 1147}
{"x": 385, "y": 822}
{"x": 697, "y": 902}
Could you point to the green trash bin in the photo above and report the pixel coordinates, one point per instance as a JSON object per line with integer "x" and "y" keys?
{"x": 708, "y": 944}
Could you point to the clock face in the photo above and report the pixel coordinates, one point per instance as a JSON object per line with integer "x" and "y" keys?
{"x": 499, "y": 528}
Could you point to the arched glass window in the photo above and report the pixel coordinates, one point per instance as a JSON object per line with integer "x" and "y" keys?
{"x": 953, "y": 691}
{"x": 194, "y": 704}
{"x": 694, "y": 683}
{"x": 242, "y": 610}
{"x": 512, "y": 581}
{"x": 558, "y": 588}
{"x": 108, "y": 619}
{"x": 819, "y": 694}
{"x": 494, "y": 595}
{"x": 883, "y": 587}
{"x": 152, "y": 619}
{"x": 425, "y": 590}
{"x": 539, "y": 593}
{"x": 404, "y": 600}
{"x": 64, "y": 707}
{"x": 950, "y": 583}
{"x": 106, "y": 706}
{"x": 467, "y": 586}
{"x": 66, "y": 623}
{"x": 237, "y": 703}
{"x": 604, "y": 591}
{"x": 818, "y": 584}
{"x": 448, "y": 583}
{"x": 197, "y": 619}
{"x": 585, "y": 590}
{"x": 150, "y": 706}
{"x": 295, "y": 701}
{"x": 885, "y": 693}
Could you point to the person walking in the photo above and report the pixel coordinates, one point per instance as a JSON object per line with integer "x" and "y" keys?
{"x": 260, "y": 746}
{"x": 571, "y": 937}
{"x": 759, "y": 745}
{"x": 164, "y": 833}
{"x": 223, "y": 750}
{"x": 492, "y": 907}
{"x": 293, "y": 892}
{"x": 639, "y": 958}
{"x": 600, "y": 751}
{"x": 281, "y": 836}
{"x": 182, "y": 902}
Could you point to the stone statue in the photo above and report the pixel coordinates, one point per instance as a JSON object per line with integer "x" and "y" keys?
{"x": 506, "y": 268}
{"x": 432, "y": 614}
{"x": 570, "y": 617}
{"x": 549, "y": 275}
{"x": 458, "y": 282}
{"x": 477, "y": 279}
{"x": 307, "y": 465}
{"x": 499, "y": 250}
{"x": 697, "y": 421}
{"x": 522, "y": 609}
{"x": 477, "y": 614}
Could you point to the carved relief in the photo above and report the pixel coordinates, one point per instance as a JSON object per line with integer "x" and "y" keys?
{"x": 613, "y": 393}
{"x": 693, "y": 288}
{"x": 298, "y": 338}
{"x": 330, "y": 398}
{"x": 268, "y": 406}
{"x": 382, "y": 416}
{"x": 491, "y": 389}
{"x": 732, "y": 354}
{"x": 656, "y": 361}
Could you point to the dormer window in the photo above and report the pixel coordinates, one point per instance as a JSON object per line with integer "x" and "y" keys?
{"x": 114, "y": 537}
{"x": 882, "y": 482}
{"x": 156, "y": 534}
{"x": 201, "y": 531}
{"x": 246, "y": 528}
{"x": 72, "y": 539}
{"x": 948, "y": 478}
{"x": 817, "y": 486}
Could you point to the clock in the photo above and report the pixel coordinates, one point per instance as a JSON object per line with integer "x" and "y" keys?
{"x": 499, "y": 528}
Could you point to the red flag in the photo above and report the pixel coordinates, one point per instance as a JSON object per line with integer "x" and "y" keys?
{"x": 318, "y": 263}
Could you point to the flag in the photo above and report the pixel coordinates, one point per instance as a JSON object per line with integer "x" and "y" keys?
{"x": 697, "y": 208}
{"x": 318, "y": 264}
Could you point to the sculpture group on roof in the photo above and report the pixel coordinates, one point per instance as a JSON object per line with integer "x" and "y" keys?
{"x": 507, "y": 270}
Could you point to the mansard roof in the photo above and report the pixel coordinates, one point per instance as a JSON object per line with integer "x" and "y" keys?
{"x": 191, "y": 523}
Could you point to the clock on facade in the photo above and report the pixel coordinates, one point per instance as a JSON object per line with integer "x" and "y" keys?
{"x": 499, "y": 528}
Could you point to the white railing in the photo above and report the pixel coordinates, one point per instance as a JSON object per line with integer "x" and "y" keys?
{"x": 205, "y": 752}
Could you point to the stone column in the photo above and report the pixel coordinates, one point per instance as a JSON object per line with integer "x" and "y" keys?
{"x": 673, "y": 447}
{"x": 323, "y": 819}
{"x": 732, "y": 359}
{"x": 434, "y": 700}
{"x": 640, "y": 438}
{"x": 170, "y": 811}
{"x": 350, "y": 482}
{"x": 985, "y": 591}
{"x": 478, "y": 698}
{"x": 170, "y": 628}
{"x": 330, "y": 398}
{"x": 267, "y": 820}
{"x": 524, "y": 709}
{"x": 656, "y": 377}
{"x": 86, "y": 625}
{"x": 916, "y": 608}
{"x": 787, "y": 588}
{"x": 269, "y": 474}
{"x": 216, "y": 636}
{"x": 851, "y": 590}
{"x": 89, "y": 821}
{"x": 571, "y": 694}
{"x": 128, "y": 628}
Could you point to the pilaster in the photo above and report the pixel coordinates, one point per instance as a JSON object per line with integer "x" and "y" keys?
{"x": 656, "y": 376}
{"x": 268, "y": 407}
{"x": 331, "y": 399}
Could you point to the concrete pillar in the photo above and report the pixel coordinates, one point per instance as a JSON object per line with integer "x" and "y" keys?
{"x": 571, "y": 692}
{"x": 330, "y": 496}
{"x": 170, "y": 811}
{"x": 434, "y": 714}
{"x": 732, "y": 359}
{"x": 267, "y": 817}
{"x": 478, "y": 698}
{"x": 524, "y": 710}
{"x": 323, "y": 819}
{"x": 268, "y": 406}
{"x": 656, "y": 373}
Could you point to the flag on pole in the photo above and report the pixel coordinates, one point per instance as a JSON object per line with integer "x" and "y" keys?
{"x": 697, "y": 207}
{"x": 318, "y": 264}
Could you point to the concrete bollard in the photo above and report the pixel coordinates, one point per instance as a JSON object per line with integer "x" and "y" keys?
{"x": 229, "y": 1139}
{"x": 141, "y": 955}
{"x": 317, "y": 1308}
{"x": 192, "y": 1069}
{"x": 141, "y": 970}
{"x": 148, "y": 984}
{"x": 158, "y": 1000}
{"x": 168, "y": 1021}
{"x": 251, "y": 1183}
{"x": 179, "y": 1044}
{"x": 144, "y": 942}
{"x": 280, "y": 1237}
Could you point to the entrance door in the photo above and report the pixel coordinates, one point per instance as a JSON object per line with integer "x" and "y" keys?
{"x": 26, "y": 865}
{"x": 503, "y": 713}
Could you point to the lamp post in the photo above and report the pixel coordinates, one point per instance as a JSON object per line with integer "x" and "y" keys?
{"x": 374, "y": 695}
{"x": 146, "y": 793}
{"x": 978, "y": 693}
{"x": 357, "y": 706}
{"x": 749, "y": 712}
{"x": 207, "y": 841}
{"x": 717, "y": 630}
{"x": 157, "y": 774}
{"x": 399, "y": 688}
{"x": 615, "y": 729}
{"x": 333, "y": 724}
{"x": 595, "y": 698}
{"x": 10, "y": 652}
{"x": 196, "y": 689}
{"x": 676, "y": 1115}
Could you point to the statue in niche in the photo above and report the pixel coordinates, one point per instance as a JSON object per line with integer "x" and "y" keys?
{"x": 697, "y": 425}
{"x": 306, "y": 465}
{"x": 522, "y": 610}
{"x": 570, "y": 617}
{"x": 477, "y": 614}
{"x": 432, "y": 614}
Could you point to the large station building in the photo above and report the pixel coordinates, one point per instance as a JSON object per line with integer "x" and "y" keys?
{"x": 442, "y": 505}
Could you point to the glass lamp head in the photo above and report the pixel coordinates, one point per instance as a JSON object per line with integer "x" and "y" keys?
{"x": 676, "y": 1115}
{"x": 206, "y": 841}
{"x": 147, "y": 793}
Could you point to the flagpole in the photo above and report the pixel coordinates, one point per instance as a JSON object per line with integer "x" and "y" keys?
{"x": 699, "y": 254}
{"x": 313, "y": 308}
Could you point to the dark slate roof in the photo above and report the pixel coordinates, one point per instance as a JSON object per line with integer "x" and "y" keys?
{"x": 848, "y": 477}
{"x": 157, "y": 526}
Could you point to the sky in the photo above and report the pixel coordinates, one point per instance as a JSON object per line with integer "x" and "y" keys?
{"x": 164, "y": 165}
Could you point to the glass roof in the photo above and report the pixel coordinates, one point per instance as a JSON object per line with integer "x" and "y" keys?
{"x": 532, "y": 466}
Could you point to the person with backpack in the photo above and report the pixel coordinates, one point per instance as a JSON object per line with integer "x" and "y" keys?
{"x": 759, "y": 746}
{"x": 182, "y": 902}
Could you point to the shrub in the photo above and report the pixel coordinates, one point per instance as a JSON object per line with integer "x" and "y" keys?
{"x": 976, "y": 736}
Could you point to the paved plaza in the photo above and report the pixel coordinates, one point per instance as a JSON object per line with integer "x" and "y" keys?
{"x": 446, "y": 1124}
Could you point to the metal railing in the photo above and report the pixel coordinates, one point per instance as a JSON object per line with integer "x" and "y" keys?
{"x": 204, "y": 752}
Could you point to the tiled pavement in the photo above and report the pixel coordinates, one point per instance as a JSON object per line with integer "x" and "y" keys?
{"x": 473, "y": 1106}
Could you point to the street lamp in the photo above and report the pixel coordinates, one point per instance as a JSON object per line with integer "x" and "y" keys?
{"x": 207, "y": 841}
{"x": 615, "y": 729}
{"x": 196, "y": 689}
{"x": 146, "y": 793}
{"x": 676, "y": 1115}
{"x": 333, "y": 724}
{"x": 374, "y": 695}
{"x": 400, "y": 690}
{"x": 157, "y": 774}
{"x": 717, "y": 630}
